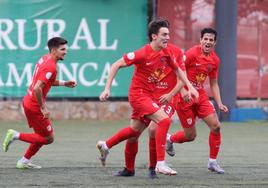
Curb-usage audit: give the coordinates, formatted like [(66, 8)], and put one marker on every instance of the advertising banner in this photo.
[(98, 33)]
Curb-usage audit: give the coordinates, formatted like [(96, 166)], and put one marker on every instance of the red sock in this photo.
[(131, 150), (152, 153), (32, 150), (178, 137), (160, 138), (33, 138), (121, 135), (214, 144)]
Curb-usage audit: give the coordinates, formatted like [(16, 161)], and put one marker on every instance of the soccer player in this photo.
[(152, 63), (167, 103), (201, 62), (34, 104)]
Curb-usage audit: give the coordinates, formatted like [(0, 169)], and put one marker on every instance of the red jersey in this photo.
[(151, 67), (198, 66), (169, 82), (45, 71)]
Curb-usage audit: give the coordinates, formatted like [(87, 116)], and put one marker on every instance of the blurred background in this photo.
[(101, 31)]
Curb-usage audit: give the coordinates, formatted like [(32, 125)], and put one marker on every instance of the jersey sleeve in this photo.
[(215, 70), (135, 57), (46, 75), (180, 61), (188, 57)]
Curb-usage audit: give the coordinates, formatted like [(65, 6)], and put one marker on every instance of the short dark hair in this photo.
[(209, 30), (55, 42), (155, 25)]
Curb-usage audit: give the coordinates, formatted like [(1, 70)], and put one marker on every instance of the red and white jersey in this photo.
[(198, 66), (151, 67), (45, 71)]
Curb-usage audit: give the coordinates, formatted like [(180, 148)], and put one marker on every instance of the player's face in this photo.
[(207, 42), (61, 51), (162, 37)]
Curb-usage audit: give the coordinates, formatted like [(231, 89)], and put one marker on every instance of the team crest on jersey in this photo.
[(48, 75), (189, 121), (163, 60), (131, 55)]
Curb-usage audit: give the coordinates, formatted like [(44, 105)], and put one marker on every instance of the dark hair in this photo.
[(55, 42), (209, 30), (155, 25)]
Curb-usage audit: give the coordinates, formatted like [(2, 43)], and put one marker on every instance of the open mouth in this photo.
[(207, 47)]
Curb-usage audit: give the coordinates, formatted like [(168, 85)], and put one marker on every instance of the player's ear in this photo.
[(154, 36), (53, 50)]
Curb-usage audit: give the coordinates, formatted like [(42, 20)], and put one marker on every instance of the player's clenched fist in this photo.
[(70, 84), (104, 95)]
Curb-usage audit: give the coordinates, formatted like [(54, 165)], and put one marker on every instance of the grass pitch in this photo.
[(71, 161)]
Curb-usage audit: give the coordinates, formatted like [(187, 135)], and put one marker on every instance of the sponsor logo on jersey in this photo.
[(200, 78), (162, 85)]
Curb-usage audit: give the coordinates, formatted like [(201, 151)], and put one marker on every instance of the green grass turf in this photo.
[(71, 161)]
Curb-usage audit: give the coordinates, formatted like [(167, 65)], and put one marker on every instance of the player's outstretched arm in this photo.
[(70, 83), (114, 69)]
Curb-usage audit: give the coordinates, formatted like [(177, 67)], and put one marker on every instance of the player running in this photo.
[(201, 62), (34, 104)]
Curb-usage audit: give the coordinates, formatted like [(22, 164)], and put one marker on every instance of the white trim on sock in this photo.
[(16, 135), (24, 160), (105, 146), (160, 162), (168, 138), (211, 160)]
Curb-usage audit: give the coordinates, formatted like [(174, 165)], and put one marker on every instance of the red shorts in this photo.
[(37, 121), (142, 105), (169, 109), (188, 112)]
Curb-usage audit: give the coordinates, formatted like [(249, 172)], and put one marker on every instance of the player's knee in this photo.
[(50, 140), (216, 127), (190, 137), (151, 131), (133, 139)]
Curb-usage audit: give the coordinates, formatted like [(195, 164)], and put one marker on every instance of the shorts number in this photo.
[(166, 109)]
